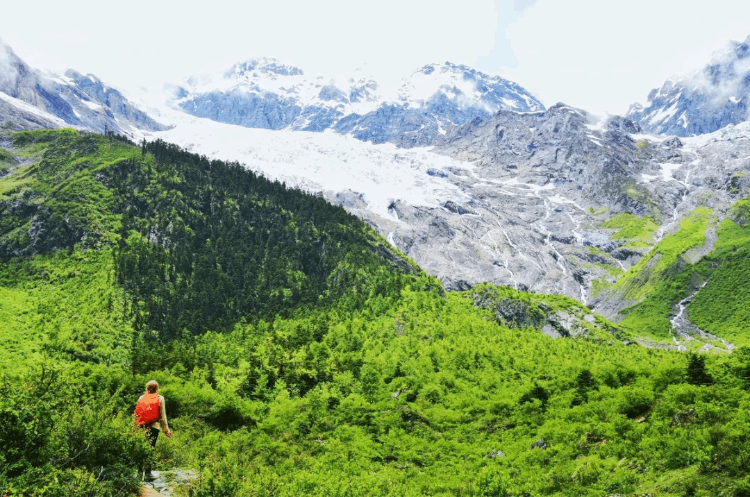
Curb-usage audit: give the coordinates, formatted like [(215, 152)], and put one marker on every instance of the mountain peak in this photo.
[(466, 87), (704, 101), (265, 65), (266, 93)]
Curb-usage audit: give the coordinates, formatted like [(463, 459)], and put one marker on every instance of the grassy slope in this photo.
[(63, 306), (634, 232), (664, 277), (721, 306), (305, 404), (650, 281), (637, 230)]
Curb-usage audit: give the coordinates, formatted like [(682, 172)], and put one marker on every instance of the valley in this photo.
[(446, 290)]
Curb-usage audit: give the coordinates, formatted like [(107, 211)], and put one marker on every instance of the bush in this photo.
[(54, 442), (742, 488), (635, 401), (492, 482)]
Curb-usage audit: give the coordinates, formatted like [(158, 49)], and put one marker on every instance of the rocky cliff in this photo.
[(74, 99), (562, 202)]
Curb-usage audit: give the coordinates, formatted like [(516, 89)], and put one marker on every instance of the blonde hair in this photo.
[(152, 386)]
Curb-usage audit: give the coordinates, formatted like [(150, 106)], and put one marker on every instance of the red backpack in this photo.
[(147, 409)]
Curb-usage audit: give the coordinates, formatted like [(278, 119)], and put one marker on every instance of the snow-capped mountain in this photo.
[(702, 102), (507, 194), (263, 93), (73, 98), (518, 199)]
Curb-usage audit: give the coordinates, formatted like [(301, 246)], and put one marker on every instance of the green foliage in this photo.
[(491, 482), (7, 160), (62, 306), (720, 280), (721, 305), (631, 227), (299, 355), (655, 282), (225, 244), (59, 439), (696, 371)]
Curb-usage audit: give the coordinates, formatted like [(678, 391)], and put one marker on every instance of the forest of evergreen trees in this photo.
[(204, 243)]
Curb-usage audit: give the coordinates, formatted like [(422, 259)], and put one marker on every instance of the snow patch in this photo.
[(650, 137), (667, 170), (23, 106), (318, 162), (92, 105), (663, 114)]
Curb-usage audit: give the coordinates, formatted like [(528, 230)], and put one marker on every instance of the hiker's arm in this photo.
[(163, 418)]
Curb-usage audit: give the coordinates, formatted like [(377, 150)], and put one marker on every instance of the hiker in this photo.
[(149, 412)]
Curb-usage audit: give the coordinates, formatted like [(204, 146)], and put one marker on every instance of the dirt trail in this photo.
[(167, 483)]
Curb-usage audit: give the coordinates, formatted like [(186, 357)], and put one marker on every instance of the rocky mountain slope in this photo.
[(17, 115), (702, 102), (537, 201), (555, 201), (263, 93), (558, 197), (75, 99)]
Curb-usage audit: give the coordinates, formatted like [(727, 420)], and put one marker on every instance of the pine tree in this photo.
[(696, 371)]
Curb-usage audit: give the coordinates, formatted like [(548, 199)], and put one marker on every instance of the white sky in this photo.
[(600, 55)]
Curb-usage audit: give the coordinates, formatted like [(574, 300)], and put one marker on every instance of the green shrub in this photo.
[(55, 440)]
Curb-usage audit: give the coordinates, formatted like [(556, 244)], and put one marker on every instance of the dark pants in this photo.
[(151, 435)]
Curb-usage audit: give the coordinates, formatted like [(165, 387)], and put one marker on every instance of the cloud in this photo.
[(170, 39), (600, 56), (603, 56)]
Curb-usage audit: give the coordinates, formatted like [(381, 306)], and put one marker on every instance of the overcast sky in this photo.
[(600, 55)]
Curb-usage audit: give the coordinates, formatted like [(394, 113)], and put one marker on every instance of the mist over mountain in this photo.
[(702, 102)]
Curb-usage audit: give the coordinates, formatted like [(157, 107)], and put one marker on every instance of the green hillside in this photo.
[(301, 355), (719, 281)]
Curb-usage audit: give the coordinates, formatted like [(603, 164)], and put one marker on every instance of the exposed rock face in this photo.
[(524, 220), (513, 311), (538, 187), (16, 115), (518, 199), (171, 483), (76, 100), (703, 102), (262, 93), (539, 444)]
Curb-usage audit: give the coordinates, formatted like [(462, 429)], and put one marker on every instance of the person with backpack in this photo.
[(150, 411)]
